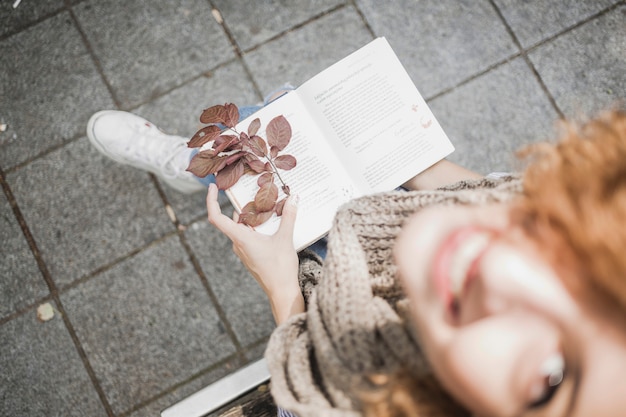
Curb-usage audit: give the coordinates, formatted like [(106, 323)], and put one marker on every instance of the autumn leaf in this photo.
[(229, 175), (204, 135), (256, 165), (265, 178), (223, 142), (205, 163), (266, 197), (254, 127), (278, 132), (230, 159), (285, 162), (252, 217), (274, 152), (214, 114), (232, 115), (278, 209), (258, 146)]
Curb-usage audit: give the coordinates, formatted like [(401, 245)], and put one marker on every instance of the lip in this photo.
[(443, 264)]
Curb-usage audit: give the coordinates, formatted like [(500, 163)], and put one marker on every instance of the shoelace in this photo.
[(167, 153)]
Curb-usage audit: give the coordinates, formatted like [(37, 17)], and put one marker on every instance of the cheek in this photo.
[(476, 364), (489, 364)]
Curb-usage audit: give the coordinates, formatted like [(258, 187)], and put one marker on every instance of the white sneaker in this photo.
[(132, 140)]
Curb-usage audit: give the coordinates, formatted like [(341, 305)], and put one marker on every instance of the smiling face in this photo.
[(503, 332)]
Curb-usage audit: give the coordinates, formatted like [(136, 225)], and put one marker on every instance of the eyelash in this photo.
[(553, 381), (545, 397)]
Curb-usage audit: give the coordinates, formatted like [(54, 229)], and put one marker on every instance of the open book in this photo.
[(359, 127)]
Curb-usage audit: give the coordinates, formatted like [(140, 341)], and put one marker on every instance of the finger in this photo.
[(288, 218), (235, 216), (216, 218)]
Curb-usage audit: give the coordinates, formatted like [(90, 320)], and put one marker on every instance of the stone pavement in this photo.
[(148, 306)]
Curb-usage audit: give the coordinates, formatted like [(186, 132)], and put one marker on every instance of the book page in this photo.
[(376, 120), (319, 178)]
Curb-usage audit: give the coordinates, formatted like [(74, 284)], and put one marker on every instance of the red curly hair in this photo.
[(574, 202)]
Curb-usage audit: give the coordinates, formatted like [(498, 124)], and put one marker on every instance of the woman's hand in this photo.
[(272, 260)]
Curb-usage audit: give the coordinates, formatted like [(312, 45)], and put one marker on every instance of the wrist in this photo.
[(286, 302)]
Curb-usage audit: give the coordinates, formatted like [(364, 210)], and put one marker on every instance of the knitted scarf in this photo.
[(356, 322)]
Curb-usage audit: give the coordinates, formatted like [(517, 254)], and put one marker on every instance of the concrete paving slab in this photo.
[(155, 324), (535, 20), (443, 42), (490, 117), (42, 374), (242, 299), (301, 54), (85, 210), (21, 283), (178, 112), (585, 69), (252, 23), (257, 351), (49, 88), (126, 35), (154, 408), (15, 18)]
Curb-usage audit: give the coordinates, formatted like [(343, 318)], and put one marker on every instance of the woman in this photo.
[(488, 297)]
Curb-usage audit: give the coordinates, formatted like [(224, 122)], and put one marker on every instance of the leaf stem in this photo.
[(268, 158)]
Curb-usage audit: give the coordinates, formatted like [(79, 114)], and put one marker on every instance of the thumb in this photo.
[(288, 218)]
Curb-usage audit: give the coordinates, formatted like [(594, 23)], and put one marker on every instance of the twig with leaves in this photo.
[(233, 154)]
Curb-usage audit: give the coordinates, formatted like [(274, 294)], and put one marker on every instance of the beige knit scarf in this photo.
[(356, 319)]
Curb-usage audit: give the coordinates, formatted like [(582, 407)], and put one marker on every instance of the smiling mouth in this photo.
[(456, 263)]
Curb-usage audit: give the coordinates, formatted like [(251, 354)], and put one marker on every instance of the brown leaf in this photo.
[(278, 132), (258, 145), (234, 157), (223, 142), (205, 163), (232, 115), (256, 165), (204, 135), (279, 207), (285, 162), (214, 114), (228, 176), (265, 178), (286, 189), (266, 197), (274, 152), (268, 167), (254, 127), (252, 217)]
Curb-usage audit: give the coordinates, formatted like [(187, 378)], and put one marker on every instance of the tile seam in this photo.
[(200, 273), (94, 57), (54, 293)]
